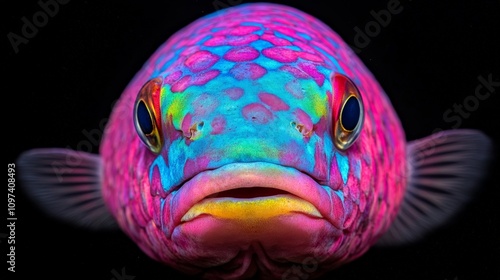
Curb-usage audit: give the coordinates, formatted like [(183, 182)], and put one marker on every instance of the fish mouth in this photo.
[(252, 193)]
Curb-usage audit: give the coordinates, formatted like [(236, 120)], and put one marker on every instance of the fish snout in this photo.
[(251, 134)]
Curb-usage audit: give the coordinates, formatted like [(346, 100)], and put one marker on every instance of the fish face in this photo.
[(254, 143), (245, 162), (242, 142), (254, 168)]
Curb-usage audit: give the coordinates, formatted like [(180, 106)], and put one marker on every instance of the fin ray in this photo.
[(445, 170), (66, 185)]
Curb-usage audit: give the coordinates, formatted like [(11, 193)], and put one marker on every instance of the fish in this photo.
[(254, 143)]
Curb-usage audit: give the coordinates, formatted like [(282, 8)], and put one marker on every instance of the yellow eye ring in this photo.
[(349, 117), (147, 119)]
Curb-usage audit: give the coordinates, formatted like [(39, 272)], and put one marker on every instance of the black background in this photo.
[(66, 78)]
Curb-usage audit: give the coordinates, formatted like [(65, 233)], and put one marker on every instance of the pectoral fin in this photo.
[(446, 169), (66, 185)]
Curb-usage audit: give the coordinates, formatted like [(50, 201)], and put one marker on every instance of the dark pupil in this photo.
[(350, 114), (144, 118)]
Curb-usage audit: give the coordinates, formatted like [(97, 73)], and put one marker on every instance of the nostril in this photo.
[(303, 123), (194, 130), (303, 129)]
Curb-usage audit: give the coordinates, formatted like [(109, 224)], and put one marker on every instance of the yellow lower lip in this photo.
[(260, 208)]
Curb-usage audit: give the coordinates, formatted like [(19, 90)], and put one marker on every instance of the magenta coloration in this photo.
[(261, 41), (232, 154)]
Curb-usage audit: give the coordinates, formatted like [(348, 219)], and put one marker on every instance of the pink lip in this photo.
[(261, 174)]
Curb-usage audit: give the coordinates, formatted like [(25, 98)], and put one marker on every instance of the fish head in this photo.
[(255, 164), (245, 150)]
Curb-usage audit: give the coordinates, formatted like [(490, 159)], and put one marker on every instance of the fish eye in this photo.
[(349, 116), (147, 118), (349, 112), (144, 118)]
